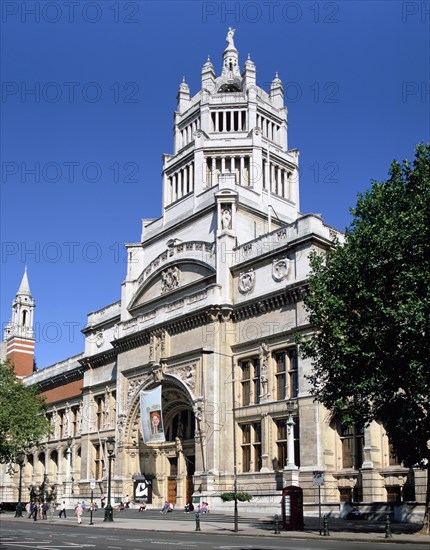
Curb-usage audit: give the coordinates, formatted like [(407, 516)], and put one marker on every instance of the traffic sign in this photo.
[(92, 484), (318, 479)]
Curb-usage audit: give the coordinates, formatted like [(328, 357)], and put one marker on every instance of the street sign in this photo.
[(318, 479), (92, 484)]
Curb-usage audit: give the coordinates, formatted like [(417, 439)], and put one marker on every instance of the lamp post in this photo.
[(68, 481), (20, 457), (110, 447), (233, 405)]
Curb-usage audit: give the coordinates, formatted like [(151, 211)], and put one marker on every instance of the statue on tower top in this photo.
[(229, 38)]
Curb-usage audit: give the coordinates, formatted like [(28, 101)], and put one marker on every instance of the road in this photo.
[(48, 536)]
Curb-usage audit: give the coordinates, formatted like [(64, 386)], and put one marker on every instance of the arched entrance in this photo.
[(170, 465)]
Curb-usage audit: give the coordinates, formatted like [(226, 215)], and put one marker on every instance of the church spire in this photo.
[(19, 333), (24, 287)]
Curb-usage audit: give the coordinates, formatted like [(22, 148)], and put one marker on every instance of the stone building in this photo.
[(209, 309)]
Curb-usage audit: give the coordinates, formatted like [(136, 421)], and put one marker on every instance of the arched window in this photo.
[(24, 317)]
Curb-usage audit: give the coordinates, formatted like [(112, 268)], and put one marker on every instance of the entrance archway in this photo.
[(170, 464)]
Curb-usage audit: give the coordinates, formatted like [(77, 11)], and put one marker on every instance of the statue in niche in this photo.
[(226, 217), (178, 443), (180, 427), (264, 368), (229, 37)]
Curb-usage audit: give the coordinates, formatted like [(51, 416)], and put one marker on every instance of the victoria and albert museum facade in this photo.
[(210, 309)]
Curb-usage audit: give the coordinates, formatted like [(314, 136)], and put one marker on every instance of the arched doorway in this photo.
[(168, 465)]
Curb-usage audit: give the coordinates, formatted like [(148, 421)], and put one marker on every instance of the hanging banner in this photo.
[(151, 416)]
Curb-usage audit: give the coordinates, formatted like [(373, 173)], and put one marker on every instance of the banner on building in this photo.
[(151, 416)]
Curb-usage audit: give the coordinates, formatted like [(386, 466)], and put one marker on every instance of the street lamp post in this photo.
[(110, 447), (20, 460), (233, 405), (68, 481)]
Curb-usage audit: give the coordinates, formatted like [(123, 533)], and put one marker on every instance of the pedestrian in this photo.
[(166, 508), (52, 510), (62, 509), (35, 510), (45, 508), (103, 501), (79, 511), (127, 501), (28, 509)]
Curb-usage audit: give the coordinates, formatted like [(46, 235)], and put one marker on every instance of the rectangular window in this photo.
[(99, 404), (281, 442), (246, 382), (281, 376), (246, 447), (293, 373), (257, 446), (250, 381), (98, 462), (251, 447), (352, 446), (256, 380)]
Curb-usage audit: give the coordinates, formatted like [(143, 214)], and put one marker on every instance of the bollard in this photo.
[(277, 531), (388, 533), (197, 522), (326, 532)]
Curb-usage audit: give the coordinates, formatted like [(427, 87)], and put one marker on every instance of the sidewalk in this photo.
[(152, 520)]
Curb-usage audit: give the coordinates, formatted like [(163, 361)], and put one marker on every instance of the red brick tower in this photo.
[(19, 333)]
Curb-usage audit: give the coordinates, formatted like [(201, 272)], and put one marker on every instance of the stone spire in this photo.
[(24, 287)]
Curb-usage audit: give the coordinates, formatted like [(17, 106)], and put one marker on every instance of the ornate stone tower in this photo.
[(232, 128), (19, 333)]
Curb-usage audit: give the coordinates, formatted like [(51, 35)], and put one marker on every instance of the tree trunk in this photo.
[(425, 530)]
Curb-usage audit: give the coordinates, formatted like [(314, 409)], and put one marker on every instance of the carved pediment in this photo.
[(165, 283)]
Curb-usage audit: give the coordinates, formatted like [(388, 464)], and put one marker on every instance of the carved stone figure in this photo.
[(226, 217), (280, 269), (246, 281), (178, 443), (170, 279), (229, 37)]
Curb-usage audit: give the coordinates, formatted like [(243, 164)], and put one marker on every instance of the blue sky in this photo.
[(81, 155)]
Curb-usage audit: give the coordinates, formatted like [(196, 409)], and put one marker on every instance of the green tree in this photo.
[(369, 306), (22, 420)]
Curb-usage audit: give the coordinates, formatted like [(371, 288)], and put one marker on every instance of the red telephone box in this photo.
[(292, 508)]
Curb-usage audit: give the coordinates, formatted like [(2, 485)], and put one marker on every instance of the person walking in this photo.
[(79, 511), (28, 509), (62, 509), (35, 510), (45, 508), (127, 501)]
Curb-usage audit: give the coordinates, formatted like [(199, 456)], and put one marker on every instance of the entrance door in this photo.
[(171, 490)]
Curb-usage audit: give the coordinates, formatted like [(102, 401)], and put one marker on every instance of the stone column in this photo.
[(265, 443), (242, 167)]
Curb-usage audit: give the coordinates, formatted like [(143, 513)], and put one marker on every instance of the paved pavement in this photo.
[(213, 523)]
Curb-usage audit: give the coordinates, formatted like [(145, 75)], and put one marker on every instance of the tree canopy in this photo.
[(369, 306), (22, 420)]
